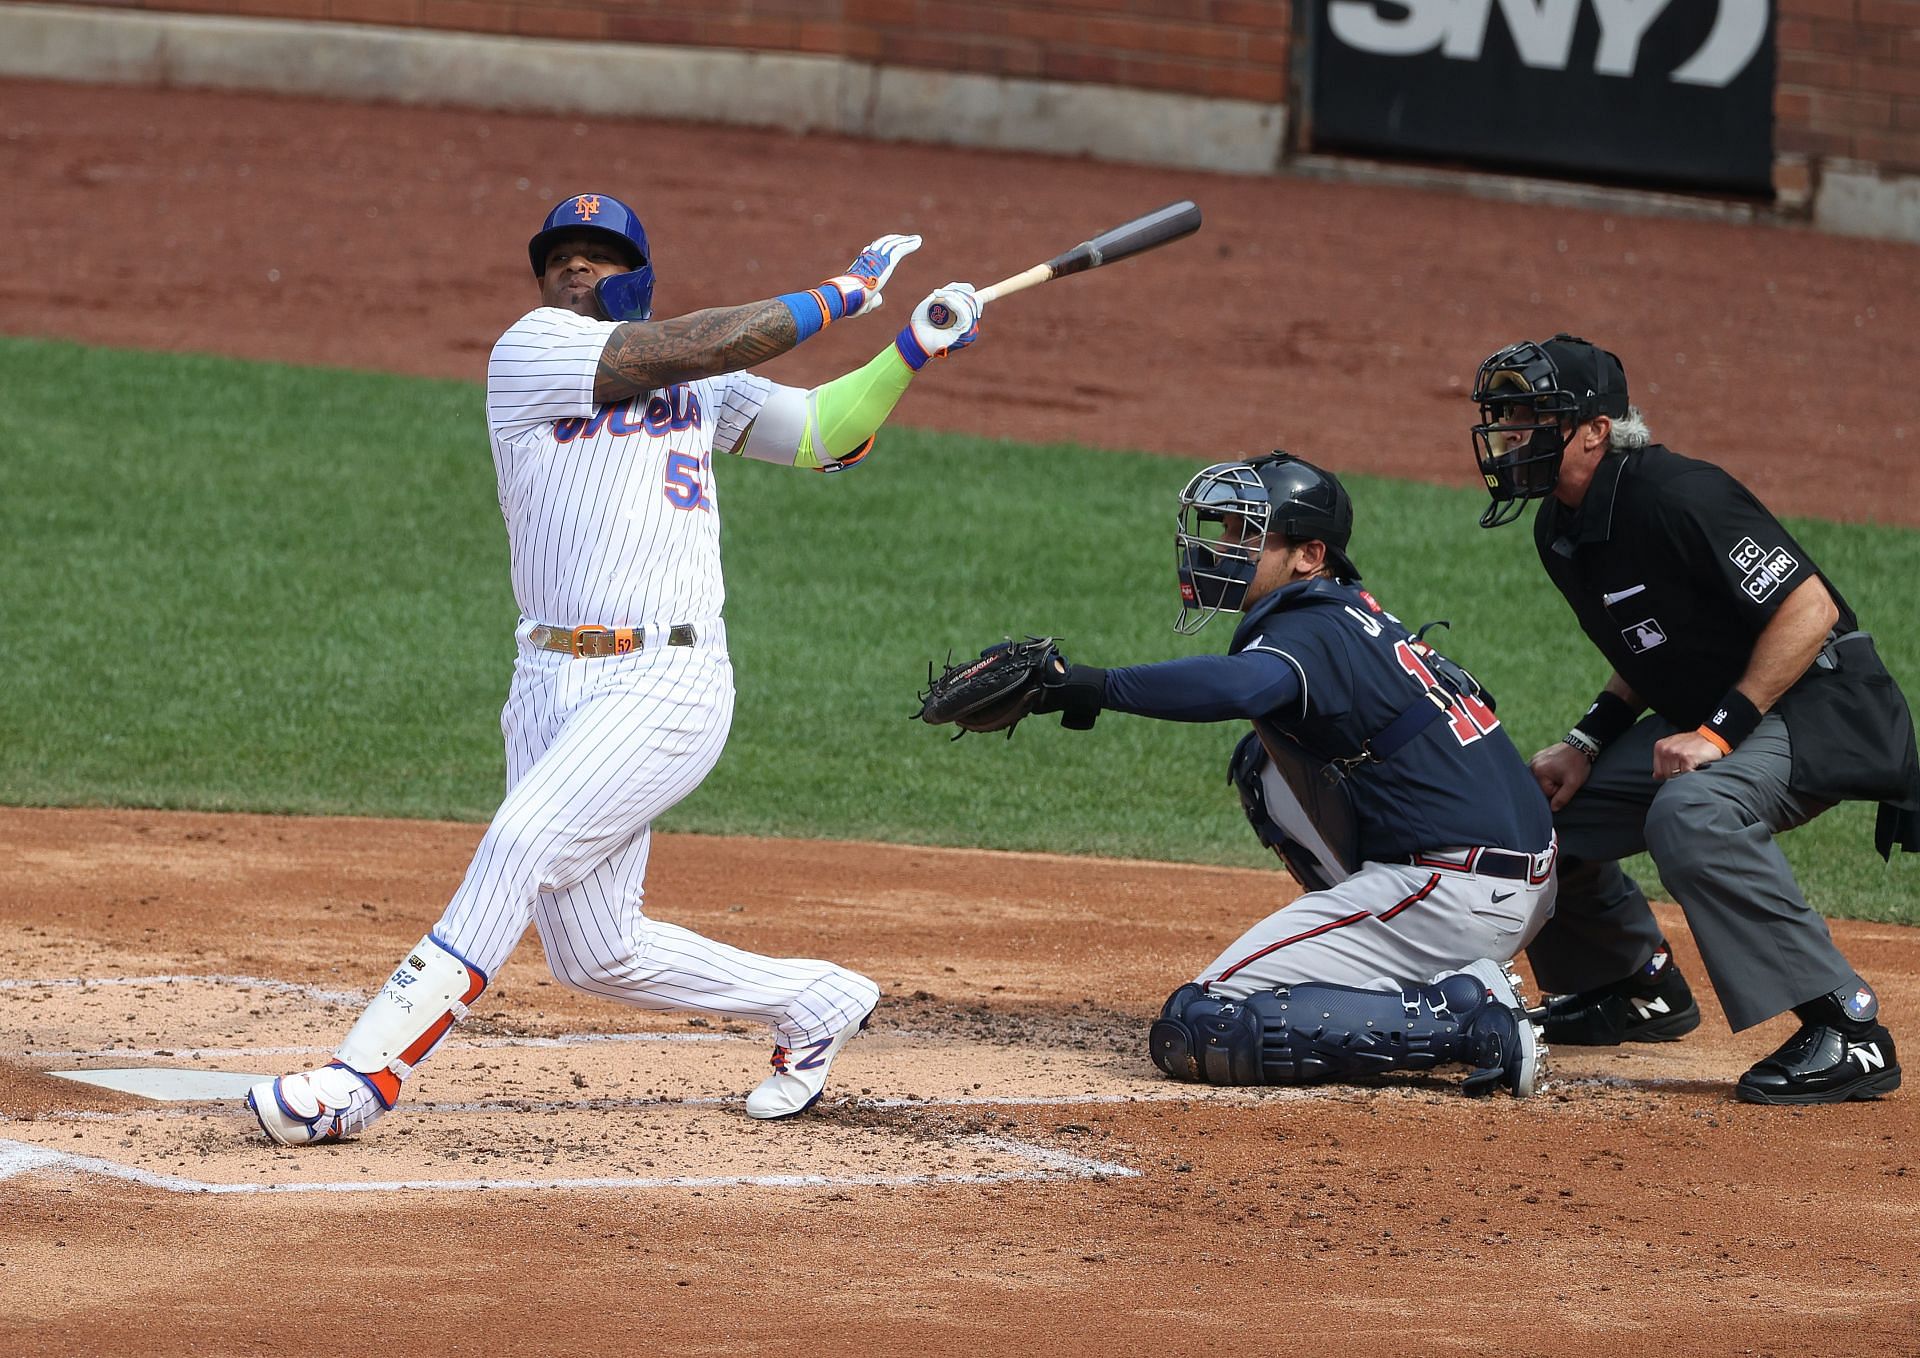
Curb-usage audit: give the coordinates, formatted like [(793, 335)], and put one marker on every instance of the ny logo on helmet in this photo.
[(587, 206)]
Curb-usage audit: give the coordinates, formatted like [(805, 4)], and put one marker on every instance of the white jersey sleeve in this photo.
[(739, 398), (543, 369)]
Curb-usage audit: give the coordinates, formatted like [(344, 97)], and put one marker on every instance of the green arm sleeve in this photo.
[(844, 414)]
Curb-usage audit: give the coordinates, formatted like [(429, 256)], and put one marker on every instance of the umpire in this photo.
[(1768, 705)]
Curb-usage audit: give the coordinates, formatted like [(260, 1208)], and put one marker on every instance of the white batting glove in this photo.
[(859, 287), (947, 319)]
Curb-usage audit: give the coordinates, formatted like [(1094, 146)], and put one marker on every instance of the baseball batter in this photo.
[(604, 425), (1376, 768)]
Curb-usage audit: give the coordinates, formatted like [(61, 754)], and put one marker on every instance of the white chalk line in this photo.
[(452, 1044), (238, 982), (18, 1158)]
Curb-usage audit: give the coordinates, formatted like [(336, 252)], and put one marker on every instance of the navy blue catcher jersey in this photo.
[(1459, 782)]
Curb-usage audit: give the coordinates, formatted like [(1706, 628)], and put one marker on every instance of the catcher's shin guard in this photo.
[(1309, 1033)]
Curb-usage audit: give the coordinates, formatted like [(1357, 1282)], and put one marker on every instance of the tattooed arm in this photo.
[(646, 355)]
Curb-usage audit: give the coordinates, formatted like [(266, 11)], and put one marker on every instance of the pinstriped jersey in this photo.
[(612, 513)]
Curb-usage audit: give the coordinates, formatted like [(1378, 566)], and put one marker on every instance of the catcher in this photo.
[(1376, 769)]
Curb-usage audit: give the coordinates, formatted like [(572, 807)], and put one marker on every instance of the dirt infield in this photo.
[(998, 1168), (997, 1158)]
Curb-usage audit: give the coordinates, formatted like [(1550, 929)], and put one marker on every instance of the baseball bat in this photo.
[(1141, 234)]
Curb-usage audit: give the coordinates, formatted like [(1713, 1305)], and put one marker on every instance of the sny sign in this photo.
[(1543, 32)]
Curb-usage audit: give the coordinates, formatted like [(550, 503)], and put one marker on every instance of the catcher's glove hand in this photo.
[(1009, 681)]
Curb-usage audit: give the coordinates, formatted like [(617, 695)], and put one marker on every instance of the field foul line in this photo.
[(192, 1053), (240, 982), (18, 1158)]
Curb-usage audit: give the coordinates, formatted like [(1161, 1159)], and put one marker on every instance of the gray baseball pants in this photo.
[(1711, 835)]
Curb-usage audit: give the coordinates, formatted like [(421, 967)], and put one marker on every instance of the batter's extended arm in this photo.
[(646, 355), (832, 426)]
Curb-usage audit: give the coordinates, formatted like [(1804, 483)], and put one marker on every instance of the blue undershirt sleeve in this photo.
[(1205, 687)]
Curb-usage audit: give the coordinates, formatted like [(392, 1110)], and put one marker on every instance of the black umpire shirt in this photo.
[(1673, 568)]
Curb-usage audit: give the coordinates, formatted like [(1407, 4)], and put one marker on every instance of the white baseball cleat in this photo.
[(328, 1104), (1519, 1044), (799, 1075)]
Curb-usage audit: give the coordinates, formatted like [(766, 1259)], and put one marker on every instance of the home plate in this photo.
[(168, 1083)]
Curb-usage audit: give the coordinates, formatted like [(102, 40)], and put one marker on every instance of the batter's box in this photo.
[(582, 1148)]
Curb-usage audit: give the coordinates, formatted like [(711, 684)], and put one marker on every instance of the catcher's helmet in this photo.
[(1531, 398), (1226, 513), (625, 296)]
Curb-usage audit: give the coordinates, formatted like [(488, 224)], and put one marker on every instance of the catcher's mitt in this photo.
[(992, 693)]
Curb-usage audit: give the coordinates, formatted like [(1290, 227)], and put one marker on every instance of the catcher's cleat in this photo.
[(1825, 1063), (800, 1075), (1655, 1004), (1502, 1040), (328, 1104)]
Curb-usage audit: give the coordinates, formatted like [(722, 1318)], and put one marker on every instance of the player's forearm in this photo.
[(847, 412), (647, 355), (830, 423), (1205, 687), (1788, 644)]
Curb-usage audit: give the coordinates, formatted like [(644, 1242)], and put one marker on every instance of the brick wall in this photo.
[(1235, 49), (1848, 87)]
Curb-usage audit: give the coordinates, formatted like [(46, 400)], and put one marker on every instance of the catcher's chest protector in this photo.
[(1308, 810)]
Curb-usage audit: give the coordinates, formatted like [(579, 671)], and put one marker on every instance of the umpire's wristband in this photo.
[(1610, 717), (1732, 722)]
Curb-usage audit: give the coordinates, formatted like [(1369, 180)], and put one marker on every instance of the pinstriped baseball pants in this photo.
[(596, 750)]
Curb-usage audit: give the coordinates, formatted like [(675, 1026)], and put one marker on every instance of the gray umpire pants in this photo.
[(1711, 835)]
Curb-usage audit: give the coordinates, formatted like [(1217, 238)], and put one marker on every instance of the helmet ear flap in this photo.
[(626, 296)]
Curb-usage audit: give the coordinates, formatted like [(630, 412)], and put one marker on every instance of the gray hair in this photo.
[(1629, 430)]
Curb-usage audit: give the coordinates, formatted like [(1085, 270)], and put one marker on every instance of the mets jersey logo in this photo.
[(587, 206), (665, 411)]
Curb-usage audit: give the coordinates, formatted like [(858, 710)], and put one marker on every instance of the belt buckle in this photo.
[(592, 641)]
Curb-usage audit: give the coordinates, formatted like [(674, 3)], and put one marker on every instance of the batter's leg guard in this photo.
[(1306, 1034), (426, 995)]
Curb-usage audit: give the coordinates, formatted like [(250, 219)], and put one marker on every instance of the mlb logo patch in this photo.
[(1860, 1004), (1644, 635)]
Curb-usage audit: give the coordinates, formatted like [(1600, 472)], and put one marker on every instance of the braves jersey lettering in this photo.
[(1460, 782)]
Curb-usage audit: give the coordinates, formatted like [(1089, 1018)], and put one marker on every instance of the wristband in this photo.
[(1582, 742), (1610, 717), (1732, 722), (908, 346), (815, 309)]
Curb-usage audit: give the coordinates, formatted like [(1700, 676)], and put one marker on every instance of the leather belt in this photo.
[(592, 641), (1532, 868)]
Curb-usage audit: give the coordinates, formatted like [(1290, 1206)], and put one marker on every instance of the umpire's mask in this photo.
[(1226, 513), (1532, 397)]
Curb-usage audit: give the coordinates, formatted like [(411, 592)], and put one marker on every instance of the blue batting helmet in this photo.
[(624, 297)]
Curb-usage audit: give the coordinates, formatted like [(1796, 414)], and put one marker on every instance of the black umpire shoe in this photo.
[(1655, 1004), (1840, 1053)]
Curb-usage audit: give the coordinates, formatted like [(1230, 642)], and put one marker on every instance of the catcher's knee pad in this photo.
[(426, 995), (1221, 1041)]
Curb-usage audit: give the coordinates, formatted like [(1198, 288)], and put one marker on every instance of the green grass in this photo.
[(241, 586)]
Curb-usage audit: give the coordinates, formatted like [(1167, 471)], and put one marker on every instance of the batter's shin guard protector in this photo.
[(426, 995)]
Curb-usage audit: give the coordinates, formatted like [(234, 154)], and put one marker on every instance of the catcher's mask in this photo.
[(1532, 397), (1227, 512), (623, 296)]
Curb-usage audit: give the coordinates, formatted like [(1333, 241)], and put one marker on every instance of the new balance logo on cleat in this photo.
[(1867, 1054), (1647, 1008)]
